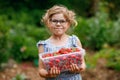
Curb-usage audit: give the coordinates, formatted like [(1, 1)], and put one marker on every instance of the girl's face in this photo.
[(58, 24)]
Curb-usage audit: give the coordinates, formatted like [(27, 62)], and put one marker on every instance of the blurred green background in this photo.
[(98, 29)]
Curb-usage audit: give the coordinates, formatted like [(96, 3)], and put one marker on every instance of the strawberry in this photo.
[(61, 50), (57, 60), (77, 58), (65, 52), (51, 59), (64, 58), (69, 50), (50, 63), (73, 56)]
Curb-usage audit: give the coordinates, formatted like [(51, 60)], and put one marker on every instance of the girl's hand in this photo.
[(75, 69), (54, 72)]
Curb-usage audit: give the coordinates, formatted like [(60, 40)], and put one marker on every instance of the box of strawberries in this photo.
[(62, 58)]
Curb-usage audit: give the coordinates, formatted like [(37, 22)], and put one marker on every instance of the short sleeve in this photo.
[(40, 43), (74, 40), (74, 43)]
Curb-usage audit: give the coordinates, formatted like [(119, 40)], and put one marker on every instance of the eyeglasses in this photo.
[(54, 21)]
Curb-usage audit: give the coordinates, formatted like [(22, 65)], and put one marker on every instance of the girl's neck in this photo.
[(59, 40)]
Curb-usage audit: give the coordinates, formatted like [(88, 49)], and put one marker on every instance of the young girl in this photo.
[(59, 19)]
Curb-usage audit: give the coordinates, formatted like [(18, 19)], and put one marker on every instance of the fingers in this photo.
[(82, 69), (54, 72), (75, 69)]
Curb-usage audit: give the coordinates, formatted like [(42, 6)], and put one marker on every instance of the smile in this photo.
[(58, 28)]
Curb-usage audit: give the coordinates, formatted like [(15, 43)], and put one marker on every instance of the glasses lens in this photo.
[(58, 21)]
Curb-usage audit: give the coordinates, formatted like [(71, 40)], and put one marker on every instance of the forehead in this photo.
[(58, 16)]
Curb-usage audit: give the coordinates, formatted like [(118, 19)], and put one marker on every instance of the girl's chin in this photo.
[(58, 34)]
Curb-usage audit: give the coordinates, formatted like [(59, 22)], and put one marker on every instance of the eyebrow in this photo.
[(58, 19)]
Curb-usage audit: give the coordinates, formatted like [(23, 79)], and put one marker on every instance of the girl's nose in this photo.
[(58, 23)]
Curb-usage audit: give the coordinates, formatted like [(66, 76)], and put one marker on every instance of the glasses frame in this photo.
[(55, 21)]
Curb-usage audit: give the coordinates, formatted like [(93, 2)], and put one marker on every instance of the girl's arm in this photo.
[(74, 68), (83, 65), (42, 71)]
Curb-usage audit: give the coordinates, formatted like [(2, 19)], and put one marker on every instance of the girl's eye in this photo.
[(58, 21)]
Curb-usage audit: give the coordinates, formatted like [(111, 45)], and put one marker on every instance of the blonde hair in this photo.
[(69, 14)]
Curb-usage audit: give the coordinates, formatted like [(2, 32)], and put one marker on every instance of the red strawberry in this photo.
[(61, 50), (77, 58), (50, 63), (69, 50), (65, 52), (73, 56), (57, 60), (51, 59), (64, 58)]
